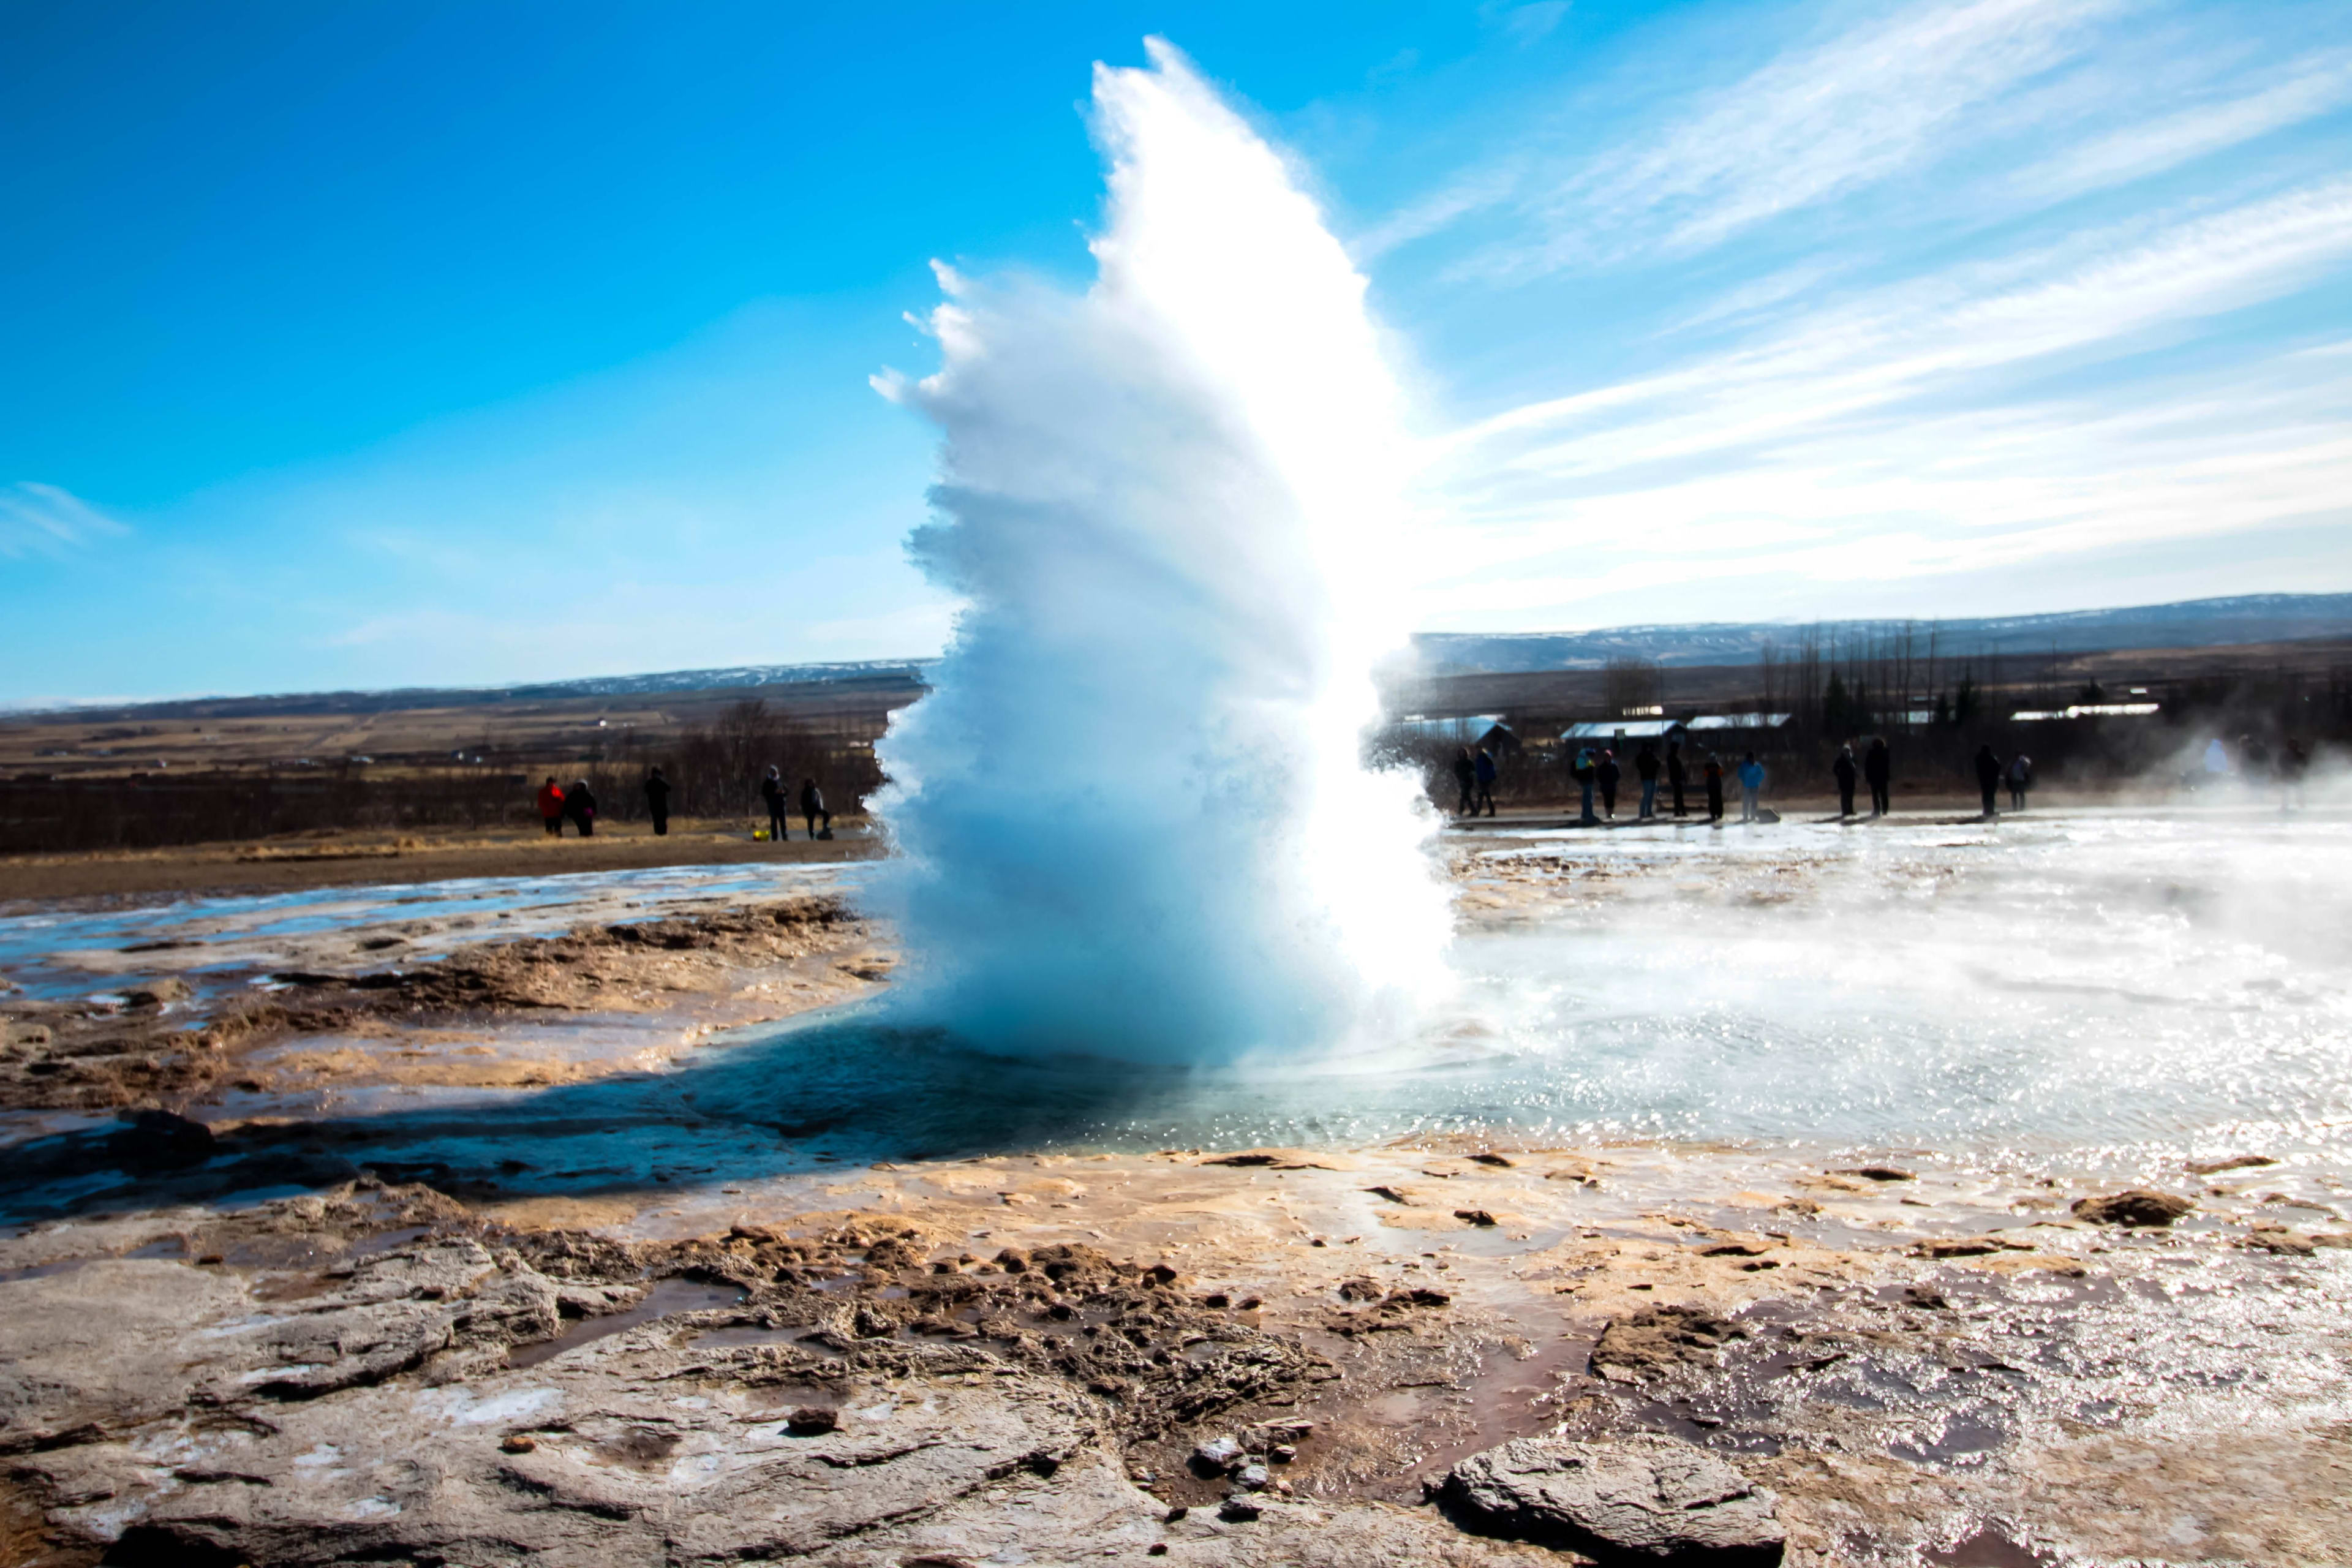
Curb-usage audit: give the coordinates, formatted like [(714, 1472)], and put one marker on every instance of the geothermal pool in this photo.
[(2084, 991)]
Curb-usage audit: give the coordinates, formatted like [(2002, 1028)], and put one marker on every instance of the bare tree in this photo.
[(1630, 684)]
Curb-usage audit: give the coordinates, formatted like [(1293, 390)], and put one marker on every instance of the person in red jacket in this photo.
[(551, 808)]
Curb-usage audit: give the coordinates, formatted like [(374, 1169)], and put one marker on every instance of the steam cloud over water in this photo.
[(1132, 815)]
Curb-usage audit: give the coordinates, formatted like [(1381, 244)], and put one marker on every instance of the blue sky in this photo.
[(371, 345)]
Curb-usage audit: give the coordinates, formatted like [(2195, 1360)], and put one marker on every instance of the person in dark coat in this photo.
[(1676, 774), (1585, 772), (1844, 770), (771, 790), (1989, 779), (1645, 768), (580, 805), (550, 807), (1609, 773), (1878, 767), (657, 802), (1487, 773), (1714, 787), (1465, 774), (813, 807)]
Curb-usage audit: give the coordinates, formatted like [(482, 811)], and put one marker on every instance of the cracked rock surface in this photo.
[(1637, 1501)]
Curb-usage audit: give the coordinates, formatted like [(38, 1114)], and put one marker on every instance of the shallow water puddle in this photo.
[(666, 1298)]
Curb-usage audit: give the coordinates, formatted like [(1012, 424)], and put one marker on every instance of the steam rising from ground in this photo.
[(1132, 814)]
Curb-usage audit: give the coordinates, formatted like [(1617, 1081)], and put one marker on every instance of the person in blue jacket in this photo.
[(1751, 785)]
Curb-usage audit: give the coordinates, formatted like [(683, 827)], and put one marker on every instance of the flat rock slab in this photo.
[(1634, 1502)]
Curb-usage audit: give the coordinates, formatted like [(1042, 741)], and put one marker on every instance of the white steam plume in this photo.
[(1131, 814)]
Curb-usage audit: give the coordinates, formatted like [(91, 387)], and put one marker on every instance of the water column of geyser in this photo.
[(1131, 815)]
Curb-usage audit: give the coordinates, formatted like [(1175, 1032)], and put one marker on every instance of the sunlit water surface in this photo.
[(2083, 990)]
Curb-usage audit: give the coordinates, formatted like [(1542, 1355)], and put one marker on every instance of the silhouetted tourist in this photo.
[(1676, 774), (1487, 773), (813, 807), (657, 802), (771, 790), (581, 807), (1751, 787), (550, 807), (1645, 768), (1607, 774), (1878, 767), (1583, 772), (1844, 770), (1714, 775), (1465, 774), (1988, 778), (2020, 775), (2257, 757), (2217, 759)]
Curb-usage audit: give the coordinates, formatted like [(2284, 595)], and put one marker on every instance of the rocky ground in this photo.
[(1249, 1357), (235, 1329), (352, 1008)]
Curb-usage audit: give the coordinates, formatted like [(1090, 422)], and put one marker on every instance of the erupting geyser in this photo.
[(1132, 815)]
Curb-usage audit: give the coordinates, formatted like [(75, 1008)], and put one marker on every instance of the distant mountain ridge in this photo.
[(2195, 622)]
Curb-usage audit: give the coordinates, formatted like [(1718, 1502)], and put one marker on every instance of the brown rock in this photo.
[(2133, 1206), (1655, 1339), (2235, 1163), (1645, 1502)]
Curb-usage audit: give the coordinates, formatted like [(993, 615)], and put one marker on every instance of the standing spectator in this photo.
[(1583, 772), (1844, 770), (550, 807), (1608, 774), (1487, 773), (1988, 778), (813, 807), (2217, 759), (1645, 768), (657, 802), (1713, 773), (1465, 775), (1878, 767), (771, 790), (2020, 773), (1751, 787), (581, 807), (1676, 774)]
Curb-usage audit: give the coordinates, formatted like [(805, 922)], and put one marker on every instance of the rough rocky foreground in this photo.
[(1255, 1357), (848, 1405)]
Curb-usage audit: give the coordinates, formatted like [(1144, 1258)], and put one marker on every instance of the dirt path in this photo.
[(356, 859)]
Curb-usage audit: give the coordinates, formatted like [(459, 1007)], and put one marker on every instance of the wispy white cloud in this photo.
[(1825, 120), (2241, 111), (1898, 432), (45, 519)]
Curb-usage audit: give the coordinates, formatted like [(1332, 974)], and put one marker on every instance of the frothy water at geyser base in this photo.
[(1131, 816), (2079, 991)]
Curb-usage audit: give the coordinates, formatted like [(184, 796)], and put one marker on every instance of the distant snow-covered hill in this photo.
[(2198, 622)]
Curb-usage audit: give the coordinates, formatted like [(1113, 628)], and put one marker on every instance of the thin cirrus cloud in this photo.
[(2063, 297), (46, 519)]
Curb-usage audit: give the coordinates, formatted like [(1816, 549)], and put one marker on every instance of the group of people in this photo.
[(1597, 772), (577, 805), (773, 790)]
